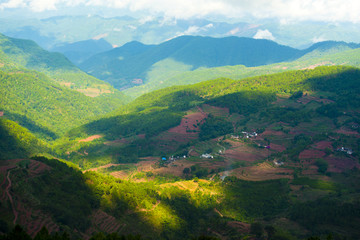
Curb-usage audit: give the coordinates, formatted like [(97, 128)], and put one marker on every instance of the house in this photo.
[(250, 135), (346, 150), (206, 155), (278, 163)]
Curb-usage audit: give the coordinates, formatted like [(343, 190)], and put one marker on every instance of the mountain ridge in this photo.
[(122, 66), (194, 51)]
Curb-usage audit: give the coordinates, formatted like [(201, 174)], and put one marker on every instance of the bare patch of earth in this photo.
[(311, 154), (337, 164), (323, 145), (261, 172), (91, 138)]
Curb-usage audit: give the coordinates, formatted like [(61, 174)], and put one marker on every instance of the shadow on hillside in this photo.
[(345, 83), (10, 147), (37, 130)]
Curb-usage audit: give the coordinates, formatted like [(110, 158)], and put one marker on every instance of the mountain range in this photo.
[(49, 32), (134, 63)]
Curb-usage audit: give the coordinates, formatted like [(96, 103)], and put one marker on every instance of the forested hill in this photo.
[(18, 142), (120, 68), (46, 108), (155, 112), (20, 54), (28, 54)]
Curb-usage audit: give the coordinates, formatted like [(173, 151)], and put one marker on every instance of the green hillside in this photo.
[(154, 113), (20, 53), (243, 192), (160, 76), (17, 141), (46, 108)]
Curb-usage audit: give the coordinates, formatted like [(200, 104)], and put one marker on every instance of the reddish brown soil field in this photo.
[(178, 137), (308, 98), (215, 165), (91, 138), (32, 220), (240, 155), (4, 168), (348, 132), (121, 141), (217, 111), (276, 147), (262, 172), (243, 152), (235, 144), (146, 166), (240, 227), (117, 142), (103, 222), (311, 154), (337, 164), (310, 170), (278, 101), (175, 168), (297, 132), (272, 132), (323, 145), (37, 168), (188, 122)]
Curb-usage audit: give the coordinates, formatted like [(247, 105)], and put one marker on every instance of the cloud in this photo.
[(285, 10), (318, 39), (193, 30), (264, 34), (40, 5), (12, 4)]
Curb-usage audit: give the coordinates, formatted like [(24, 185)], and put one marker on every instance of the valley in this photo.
[(231, 152)]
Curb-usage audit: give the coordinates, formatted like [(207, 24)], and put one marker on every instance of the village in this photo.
[(245, 135)]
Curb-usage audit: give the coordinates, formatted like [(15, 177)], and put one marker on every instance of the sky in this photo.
[(284, 10)]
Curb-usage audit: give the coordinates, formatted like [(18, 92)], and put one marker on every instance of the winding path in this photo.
[(10, 197)]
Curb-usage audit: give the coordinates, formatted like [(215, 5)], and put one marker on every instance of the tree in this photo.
[(270, 231), (18, 233), (186, 171), (257, 229), (43, 234), (322, 165)]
